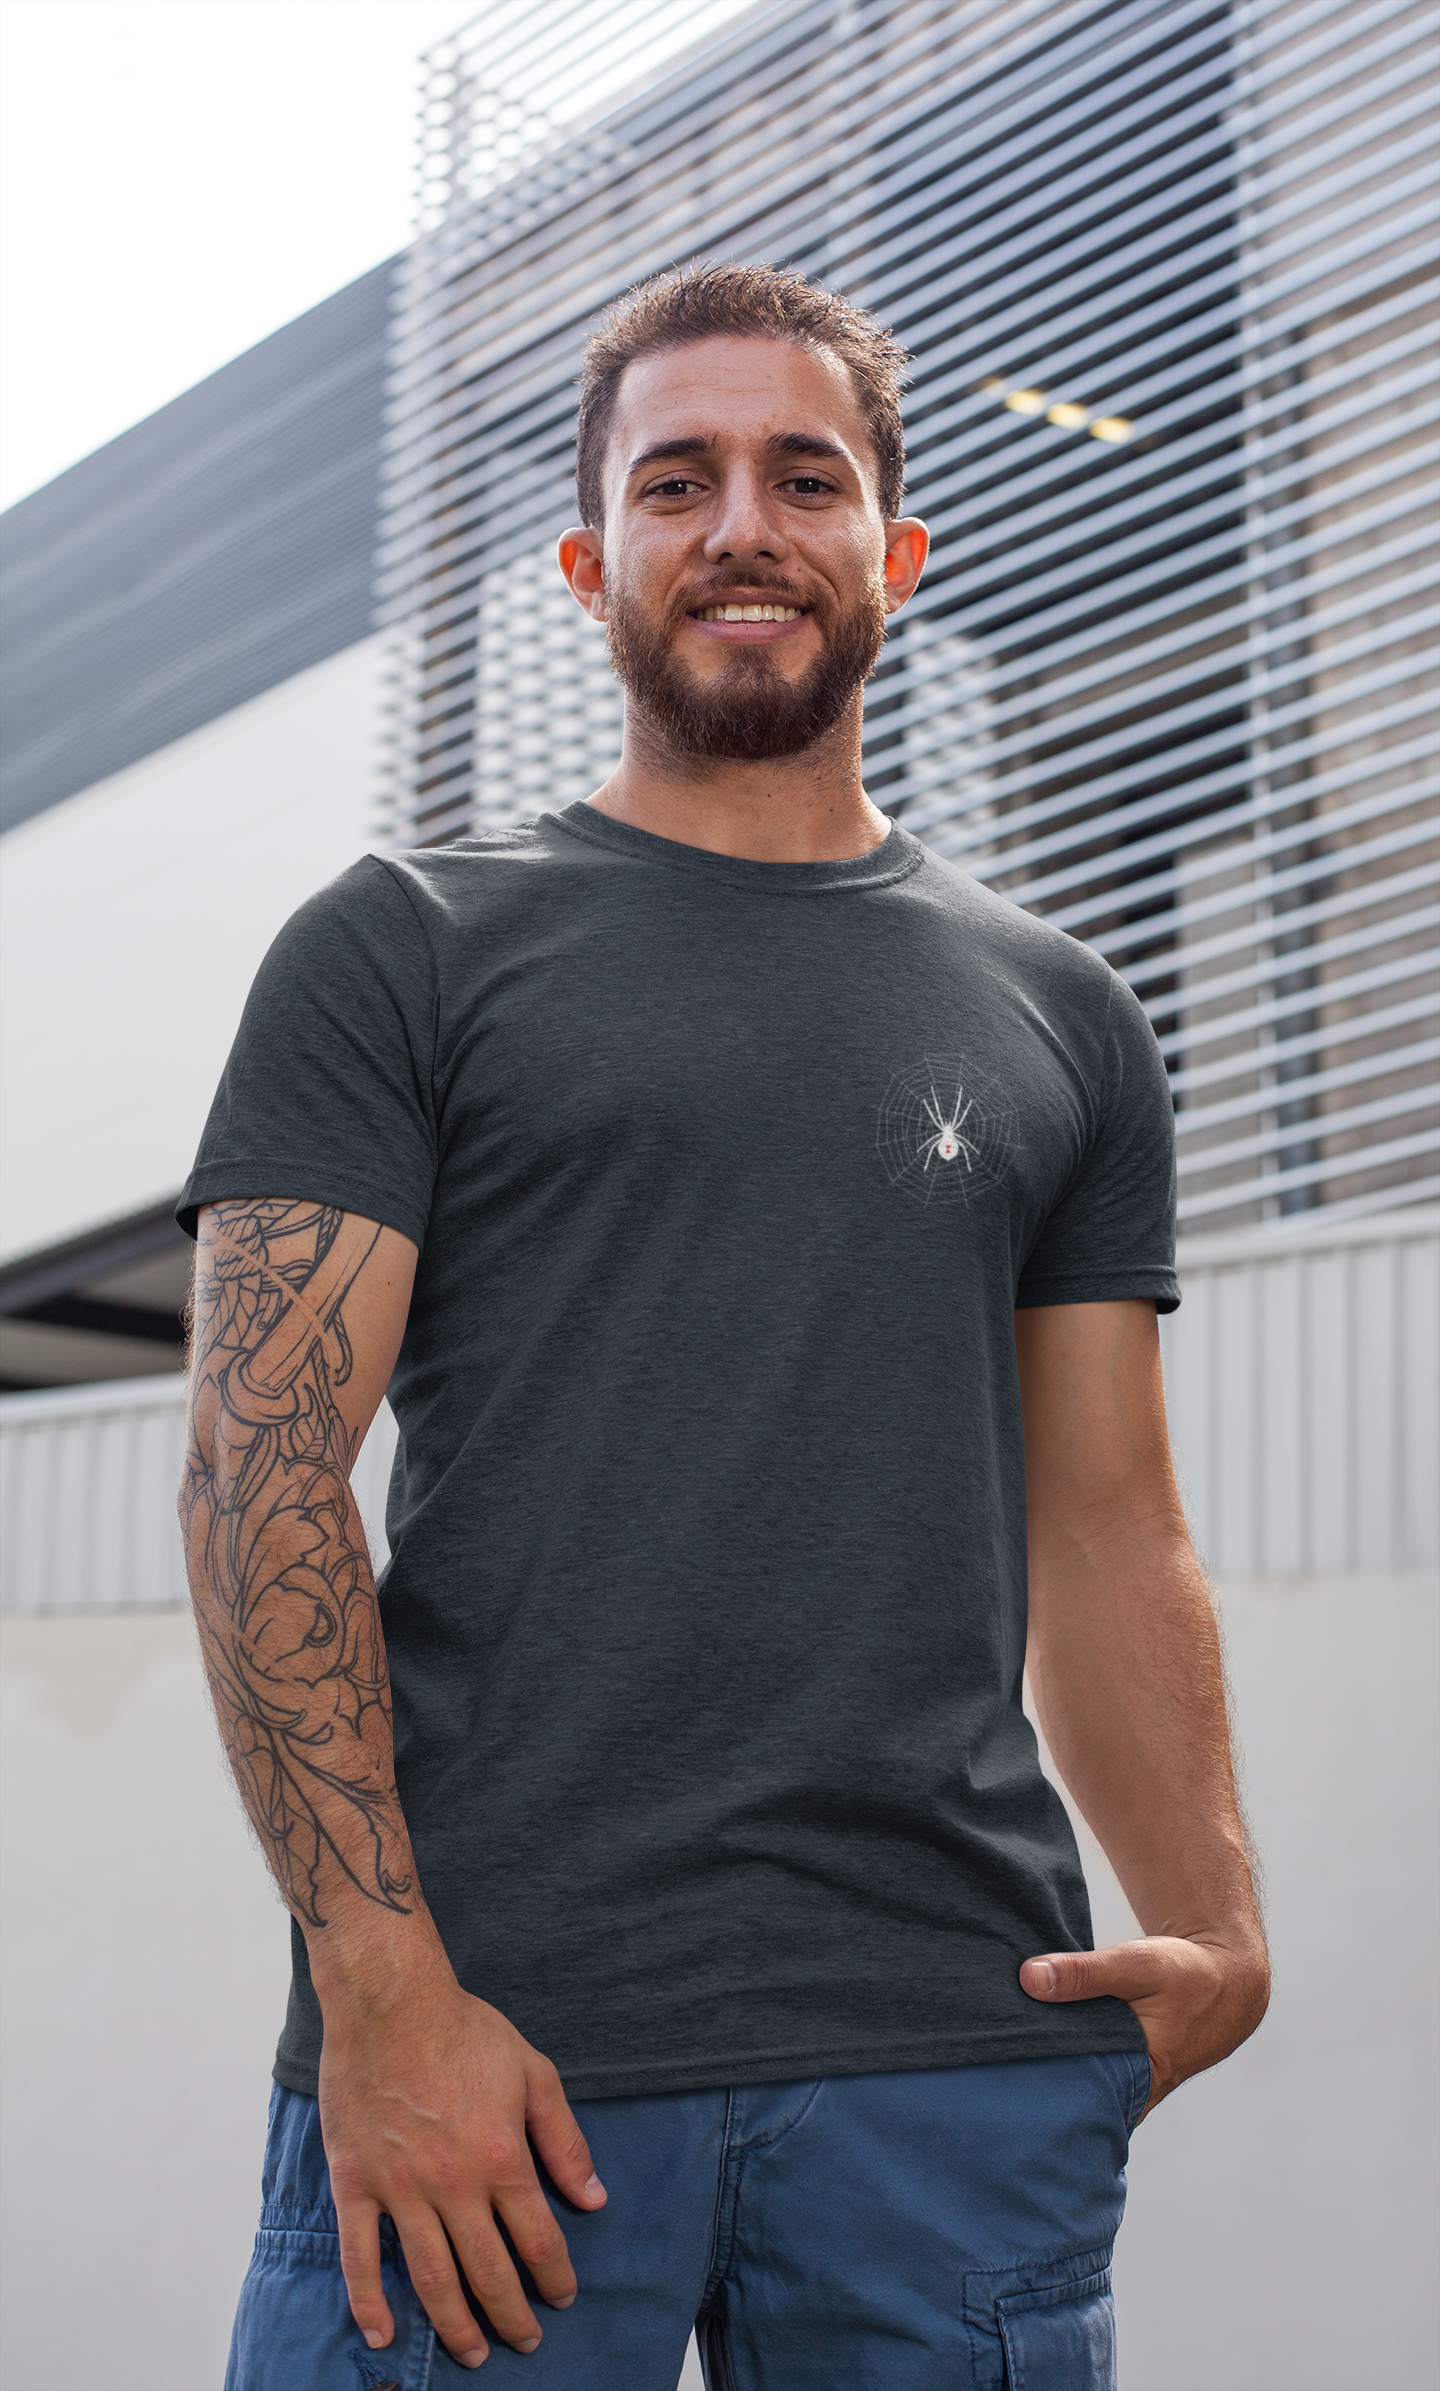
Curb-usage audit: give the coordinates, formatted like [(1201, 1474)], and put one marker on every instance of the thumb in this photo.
[(556, 2135), (1128, 1971)]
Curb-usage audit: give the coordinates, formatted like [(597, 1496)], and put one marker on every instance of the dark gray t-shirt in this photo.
[(706, 1605)]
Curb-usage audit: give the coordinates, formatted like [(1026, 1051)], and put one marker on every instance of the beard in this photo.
[(748, 712)]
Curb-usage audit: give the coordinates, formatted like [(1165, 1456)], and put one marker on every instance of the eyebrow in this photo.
[(695, 444)]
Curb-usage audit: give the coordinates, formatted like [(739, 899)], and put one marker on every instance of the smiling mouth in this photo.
[(748, 614)]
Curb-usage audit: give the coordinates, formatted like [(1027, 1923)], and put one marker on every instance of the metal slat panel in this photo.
[(1375, 1292), (1406, 1056), (1283, 1488), (29, 1575), (1169, 690), (1332, 1357), (1239, 1423), (1302, 1377), (88, 1478), (1192, 1385), (111, 1505), (214, 550), (1419, 1422)]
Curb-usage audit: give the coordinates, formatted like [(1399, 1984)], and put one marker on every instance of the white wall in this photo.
[(1283, 2209), (132, 917), (145, 1959)]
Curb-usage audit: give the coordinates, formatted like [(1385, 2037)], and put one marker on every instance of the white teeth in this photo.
[(749, 614)]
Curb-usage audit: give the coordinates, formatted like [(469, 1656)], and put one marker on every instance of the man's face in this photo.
[(741, 483)]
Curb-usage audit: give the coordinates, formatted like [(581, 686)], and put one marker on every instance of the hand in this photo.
[(425, 2100), (1197, 1997)]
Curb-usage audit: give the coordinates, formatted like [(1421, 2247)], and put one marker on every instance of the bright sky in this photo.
[(180, 177)]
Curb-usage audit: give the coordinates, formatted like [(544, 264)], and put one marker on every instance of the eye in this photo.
[(809, 485), (675, 485)]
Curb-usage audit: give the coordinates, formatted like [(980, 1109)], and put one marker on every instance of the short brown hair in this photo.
[(756, 302)]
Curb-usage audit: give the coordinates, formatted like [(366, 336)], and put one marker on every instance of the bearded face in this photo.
[(746, 709)]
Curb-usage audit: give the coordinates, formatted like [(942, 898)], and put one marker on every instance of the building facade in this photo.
[(188, 714), (1167, 271), (1168, 274)]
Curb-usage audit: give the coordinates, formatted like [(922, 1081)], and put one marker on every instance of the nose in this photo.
[(745, 527)]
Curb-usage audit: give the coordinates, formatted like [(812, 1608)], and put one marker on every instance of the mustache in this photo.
[(759, 586)]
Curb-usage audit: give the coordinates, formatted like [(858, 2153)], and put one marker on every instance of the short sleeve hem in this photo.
[(300, 1182), (1100, 1286)]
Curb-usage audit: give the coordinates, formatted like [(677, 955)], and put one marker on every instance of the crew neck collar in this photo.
[(897, 855)]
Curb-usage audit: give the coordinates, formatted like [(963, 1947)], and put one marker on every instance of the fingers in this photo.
[(564, 2151), (488, 2267), (539, 2240), (514, 2191), (1129, 1971), (437, 2287), (490, 2273), (360, 2264)]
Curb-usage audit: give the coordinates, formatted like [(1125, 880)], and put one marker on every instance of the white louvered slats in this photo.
[(1168, 272), (1302, 1374), (88, 1483)]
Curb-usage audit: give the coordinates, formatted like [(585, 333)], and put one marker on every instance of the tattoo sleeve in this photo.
[(278, 1562)]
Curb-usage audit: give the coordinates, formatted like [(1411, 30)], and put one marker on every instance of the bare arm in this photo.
[(279, 1565), (425, 2092), (1125, 1667)]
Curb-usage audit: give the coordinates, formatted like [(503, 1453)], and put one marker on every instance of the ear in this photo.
[(907, 544), (581, 563)]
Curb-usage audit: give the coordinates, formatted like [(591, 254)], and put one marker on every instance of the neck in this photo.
[(808, 808)]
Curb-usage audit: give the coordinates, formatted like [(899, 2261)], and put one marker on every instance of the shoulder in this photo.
[(411, 894), (1046, 962), (446, 883), (360, 903)]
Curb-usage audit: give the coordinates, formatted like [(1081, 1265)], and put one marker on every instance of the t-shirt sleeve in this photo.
[(1111, 1236), (328, 1093)]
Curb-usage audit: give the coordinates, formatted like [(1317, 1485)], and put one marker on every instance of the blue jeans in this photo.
[(910, 2232)]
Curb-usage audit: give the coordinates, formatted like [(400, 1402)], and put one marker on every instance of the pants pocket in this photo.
[(1144, 2077), (293, 2325), (1059, 2337)]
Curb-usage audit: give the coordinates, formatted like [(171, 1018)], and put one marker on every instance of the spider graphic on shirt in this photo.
[(947, 1132), (948, 1143)]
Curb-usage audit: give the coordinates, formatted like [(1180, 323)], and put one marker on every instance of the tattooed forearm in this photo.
[(284, 1594)]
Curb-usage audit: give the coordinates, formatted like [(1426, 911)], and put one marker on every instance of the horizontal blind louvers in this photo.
[(1172, 690)]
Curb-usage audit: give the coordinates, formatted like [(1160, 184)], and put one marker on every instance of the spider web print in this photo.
[(946, 1133)]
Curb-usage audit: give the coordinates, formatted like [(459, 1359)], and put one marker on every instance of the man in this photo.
[(746, 1213)]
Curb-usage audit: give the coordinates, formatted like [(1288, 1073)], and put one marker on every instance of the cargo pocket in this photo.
[(293, 2325), (1060, 2337)]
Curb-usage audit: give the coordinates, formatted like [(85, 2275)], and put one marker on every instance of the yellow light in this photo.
[(1069, 416), (1112, 427), (1026, 402)]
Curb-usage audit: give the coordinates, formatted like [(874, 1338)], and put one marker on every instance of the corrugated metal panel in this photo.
[(206, 555), (1302, 1373), (88, 1480), (1168, 269), (87, 1497)]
